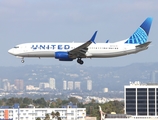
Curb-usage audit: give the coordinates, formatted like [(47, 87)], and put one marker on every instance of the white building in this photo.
[(70, 85), (31, 87), (52, 83), (64, 85), (34, 113), (141, 99), (105, 90), (6, 85), (89, 84), (78, 85), (43, 85)]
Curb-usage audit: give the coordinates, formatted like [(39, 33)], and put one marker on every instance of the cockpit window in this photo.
[(16, 47)]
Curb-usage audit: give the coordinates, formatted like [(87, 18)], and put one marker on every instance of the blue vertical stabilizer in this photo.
[(140, 36)]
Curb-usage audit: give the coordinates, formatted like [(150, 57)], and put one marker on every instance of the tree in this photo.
[(47, 117), (27, 101), (64, 102), (53, 104), (53, 114), (40, 102), (1, 102), (59, 102), (38, 118), (13, 100), (59, 118), (73, 100), (57, 114), (92, 101)]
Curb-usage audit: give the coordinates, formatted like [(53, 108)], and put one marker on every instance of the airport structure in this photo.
[(141, 99), (140, 102), (69, 112)]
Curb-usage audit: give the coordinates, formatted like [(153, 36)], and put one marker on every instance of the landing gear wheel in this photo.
[(80, 61), (22, 61)]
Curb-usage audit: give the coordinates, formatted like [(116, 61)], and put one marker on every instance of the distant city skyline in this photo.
[(103, 81), (89, 84), (77, 85), (52, 83), (70, 85), (64, 85), (19, 84), (155, 76)]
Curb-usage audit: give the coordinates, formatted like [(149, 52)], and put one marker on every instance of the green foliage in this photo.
[(38, 118), (27, 100), (112, 106), (53, 114), (80, 105), (40, 102), (53, 105), (91, 108), (24, 102), (59, 118), (65, 102), (47, 117), (57, 114), (56, 104), (13, 100), (73, 100)]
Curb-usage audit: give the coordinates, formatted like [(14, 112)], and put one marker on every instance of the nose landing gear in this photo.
[(80, 61), (22, 60)]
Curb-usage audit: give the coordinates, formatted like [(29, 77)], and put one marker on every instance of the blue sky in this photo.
[(25, 21)]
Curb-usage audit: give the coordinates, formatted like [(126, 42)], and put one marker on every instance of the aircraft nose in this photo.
[(10, 51)]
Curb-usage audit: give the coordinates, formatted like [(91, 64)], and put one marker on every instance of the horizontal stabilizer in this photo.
[(143, 45)]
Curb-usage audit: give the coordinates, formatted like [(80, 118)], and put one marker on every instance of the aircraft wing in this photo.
[(143, 45), (81, 50)]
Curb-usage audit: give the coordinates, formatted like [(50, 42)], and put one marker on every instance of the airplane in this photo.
[(69, 51)]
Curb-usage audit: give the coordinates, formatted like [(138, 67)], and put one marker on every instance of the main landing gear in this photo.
[(22, 60), (80, 61)]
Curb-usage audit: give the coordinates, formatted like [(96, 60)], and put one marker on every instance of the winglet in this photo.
[(93, 37), (107, 41)]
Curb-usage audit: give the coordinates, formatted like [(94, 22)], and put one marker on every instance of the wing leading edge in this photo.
[(81, 50)]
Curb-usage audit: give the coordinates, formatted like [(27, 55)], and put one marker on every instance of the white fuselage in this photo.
[(98, 50)]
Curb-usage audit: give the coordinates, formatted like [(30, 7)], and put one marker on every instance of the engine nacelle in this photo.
[(62, 56)]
